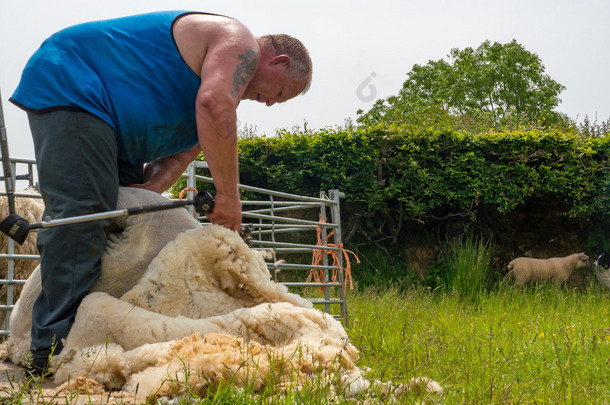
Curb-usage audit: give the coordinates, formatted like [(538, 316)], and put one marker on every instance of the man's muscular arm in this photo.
[(227, 69)]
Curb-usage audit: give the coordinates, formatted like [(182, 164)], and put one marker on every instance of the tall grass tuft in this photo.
[(467, 264)]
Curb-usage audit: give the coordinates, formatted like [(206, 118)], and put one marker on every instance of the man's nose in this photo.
[(270, 102)]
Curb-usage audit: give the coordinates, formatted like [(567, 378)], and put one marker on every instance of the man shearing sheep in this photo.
[(131, 102)]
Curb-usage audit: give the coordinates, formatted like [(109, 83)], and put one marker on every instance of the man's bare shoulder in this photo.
[(211, 26), (196, 34)]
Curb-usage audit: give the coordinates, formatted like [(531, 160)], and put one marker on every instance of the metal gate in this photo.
[(274, 217), (8, 258), (278, 225)]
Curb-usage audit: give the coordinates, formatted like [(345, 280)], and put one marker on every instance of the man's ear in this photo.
[(280, 60)]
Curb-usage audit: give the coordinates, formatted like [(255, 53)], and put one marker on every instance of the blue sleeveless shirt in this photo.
[(126, 71)]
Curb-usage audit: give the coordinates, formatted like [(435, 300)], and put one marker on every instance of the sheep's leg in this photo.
[(559, 280), (103, 363)]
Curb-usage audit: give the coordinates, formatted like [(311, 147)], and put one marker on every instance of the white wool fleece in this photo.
[(207, 271), (238, 344), (135, 240)]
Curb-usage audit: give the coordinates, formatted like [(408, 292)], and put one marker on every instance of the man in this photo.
[(132, 101)]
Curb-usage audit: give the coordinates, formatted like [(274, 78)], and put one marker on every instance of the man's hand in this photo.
[(227, 211)]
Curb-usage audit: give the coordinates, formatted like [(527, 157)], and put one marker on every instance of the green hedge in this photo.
[(394, 175), (418, 173)]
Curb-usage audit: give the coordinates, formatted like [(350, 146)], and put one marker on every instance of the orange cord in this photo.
[(185, 190), (317, 275)]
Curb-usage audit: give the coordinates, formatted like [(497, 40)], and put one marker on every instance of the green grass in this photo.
[(468, 264), (485, 344), (540, 345)]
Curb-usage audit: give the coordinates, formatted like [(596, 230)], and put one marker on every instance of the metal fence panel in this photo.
[(8, 257), (282, 223)]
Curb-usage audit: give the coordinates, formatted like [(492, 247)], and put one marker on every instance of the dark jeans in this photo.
[(78, 173)]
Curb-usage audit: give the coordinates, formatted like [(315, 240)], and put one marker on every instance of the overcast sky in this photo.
[(361, 50)]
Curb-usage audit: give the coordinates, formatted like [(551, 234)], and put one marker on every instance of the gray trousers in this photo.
[(78, 174)]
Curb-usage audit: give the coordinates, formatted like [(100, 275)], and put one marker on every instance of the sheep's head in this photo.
[(583, 261)]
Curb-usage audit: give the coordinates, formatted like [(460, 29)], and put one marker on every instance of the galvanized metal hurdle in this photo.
[(270, 226), (9, 177), (9, 257)]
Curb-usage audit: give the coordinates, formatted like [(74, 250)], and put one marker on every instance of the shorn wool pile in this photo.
[(203, 312)]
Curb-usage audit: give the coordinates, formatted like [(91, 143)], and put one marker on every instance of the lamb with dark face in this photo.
[(602, 269)]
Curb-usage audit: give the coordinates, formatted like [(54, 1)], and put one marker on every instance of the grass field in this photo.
[(540, 345), (543, 345)]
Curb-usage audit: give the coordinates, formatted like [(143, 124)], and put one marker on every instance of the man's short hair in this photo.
[(300, 66)]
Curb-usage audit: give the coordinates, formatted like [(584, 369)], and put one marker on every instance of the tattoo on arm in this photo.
[(243, 71)]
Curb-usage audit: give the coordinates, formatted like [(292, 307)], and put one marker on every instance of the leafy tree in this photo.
[(497, 84)]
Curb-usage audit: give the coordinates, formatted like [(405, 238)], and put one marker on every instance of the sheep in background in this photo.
[(556, 269), (31, 210)]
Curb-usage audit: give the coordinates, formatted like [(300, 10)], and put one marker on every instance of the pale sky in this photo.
[(361, 50)]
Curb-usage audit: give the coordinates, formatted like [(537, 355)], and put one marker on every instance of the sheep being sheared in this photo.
[(224, 288), (556, 269), (31, 210), (244, 347), (206, 310)]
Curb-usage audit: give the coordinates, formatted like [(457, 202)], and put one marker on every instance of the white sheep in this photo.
[(555, 269)]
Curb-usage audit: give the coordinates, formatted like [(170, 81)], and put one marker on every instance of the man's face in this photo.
[(271, 85)]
